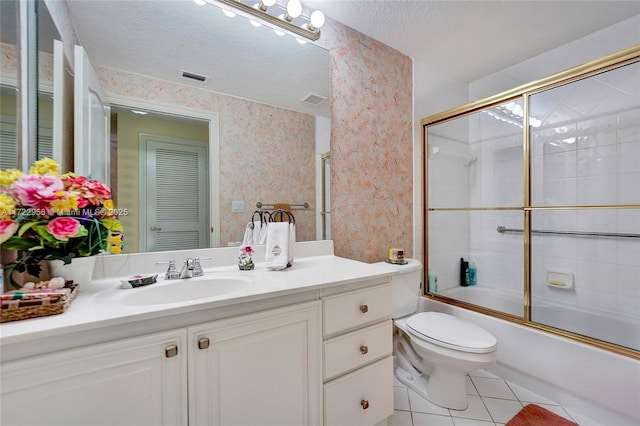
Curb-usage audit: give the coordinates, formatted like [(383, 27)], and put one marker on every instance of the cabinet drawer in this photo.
[(355, 349), (364, 397), (356, 308)]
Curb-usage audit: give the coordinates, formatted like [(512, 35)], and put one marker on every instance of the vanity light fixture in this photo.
[(292, 20)]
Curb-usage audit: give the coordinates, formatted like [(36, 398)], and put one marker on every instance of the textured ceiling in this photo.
[(456, 41), (462, 41)]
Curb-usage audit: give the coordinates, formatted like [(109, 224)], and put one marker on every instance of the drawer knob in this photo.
[(203, 343), (364, 350), (364, 309), (365, 404), (171, 351)]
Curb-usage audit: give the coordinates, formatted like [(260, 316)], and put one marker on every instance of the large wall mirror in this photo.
[(38, 75), (252, 131)]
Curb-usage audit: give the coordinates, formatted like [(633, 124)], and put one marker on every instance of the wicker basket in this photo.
[(20, 311)]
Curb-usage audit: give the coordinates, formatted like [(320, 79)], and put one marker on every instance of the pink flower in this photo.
[(246, 250), (99, 192), (63, 227), (36, 191), (87, 191), (7, 229)]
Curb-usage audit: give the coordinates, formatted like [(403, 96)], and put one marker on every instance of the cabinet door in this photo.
[(138, 381), (257, 369)]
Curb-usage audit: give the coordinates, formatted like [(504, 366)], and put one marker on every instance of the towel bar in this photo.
[(272, 206)]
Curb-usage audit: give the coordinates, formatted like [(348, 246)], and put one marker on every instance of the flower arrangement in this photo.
[(245, 262), (48, 216)]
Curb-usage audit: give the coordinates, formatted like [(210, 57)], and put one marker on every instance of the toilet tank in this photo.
[(406, 287)]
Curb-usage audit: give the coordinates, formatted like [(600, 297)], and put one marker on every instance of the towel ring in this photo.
[(253, 216), (281, 215)]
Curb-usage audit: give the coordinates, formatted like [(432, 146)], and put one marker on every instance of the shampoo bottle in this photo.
[(472, 272), (464, 272), (433, 281)]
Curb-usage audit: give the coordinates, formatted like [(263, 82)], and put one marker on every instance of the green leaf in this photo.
[(17, 243)]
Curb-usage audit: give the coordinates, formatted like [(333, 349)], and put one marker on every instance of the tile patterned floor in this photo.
[(492, 401)]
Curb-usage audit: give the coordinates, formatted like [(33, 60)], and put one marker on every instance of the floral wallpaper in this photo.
[(371, 145)]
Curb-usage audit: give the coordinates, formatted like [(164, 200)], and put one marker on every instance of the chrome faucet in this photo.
[(191, 268), (188, 268)]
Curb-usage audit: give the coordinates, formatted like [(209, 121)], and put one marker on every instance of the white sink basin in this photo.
[(185, 290)]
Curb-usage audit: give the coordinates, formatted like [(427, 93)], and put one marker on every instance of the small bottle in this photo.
[(464, 272), (472, 272), (433, 281)]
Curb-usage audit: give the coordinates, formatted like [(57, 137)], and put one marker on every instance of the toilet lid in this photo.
[(451, 332)]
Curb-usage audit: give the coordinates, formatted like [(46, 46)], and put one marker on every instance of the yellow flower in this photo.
[(7, 177), (7, 206), (112, 224), (45, 166), (69, 175), (108, 206), (115, 243), (65, 205)]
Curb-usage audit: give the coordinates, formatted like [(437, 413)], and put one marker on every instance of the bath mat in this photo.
[(534, 415)]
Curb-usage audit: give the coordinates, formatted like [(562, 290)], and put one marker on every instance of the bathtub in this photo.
[(622, 331), (597, 384)]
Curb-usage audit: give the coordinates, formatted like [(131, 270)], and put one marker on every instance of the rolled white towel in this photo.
[(257, 228), (262, 235), (247, 240), (277, 249), (292, 243)]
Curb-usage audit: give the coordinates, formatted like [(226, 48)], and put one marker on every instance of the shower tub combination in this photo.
[(598, 325)]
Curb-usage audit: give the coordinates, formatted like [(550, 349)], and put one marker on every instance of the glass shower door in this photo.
[(475, 185), (585, 214)]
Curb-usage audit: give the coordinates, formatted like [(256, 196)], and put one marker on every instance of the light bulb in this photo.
[(294, 8), (316, 19), (228, 13), (268, 3)]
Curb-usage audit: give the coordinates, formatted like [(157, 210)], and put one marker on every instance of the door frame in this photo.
[(214, 148)]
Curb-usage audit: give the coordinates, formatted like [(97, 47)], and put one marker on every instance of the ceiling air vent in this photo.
[(314, 99), (194, 76)]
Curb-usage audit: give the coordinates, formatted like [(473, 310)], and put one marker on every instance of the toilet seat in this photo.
[(451, 332)]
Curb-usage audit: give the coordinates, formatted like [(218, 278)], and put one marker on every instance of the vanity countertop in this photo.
[(100, 304)]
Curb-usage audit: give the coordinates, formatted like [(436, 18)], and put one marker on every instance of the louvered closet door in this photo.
[(174, 194), (8, 142)]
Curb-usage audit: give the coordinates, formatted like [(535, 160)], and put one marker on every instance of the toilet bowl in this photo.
[(434, 351)]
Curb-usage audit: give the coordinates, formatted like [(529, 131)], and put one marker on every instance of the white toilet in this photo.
[(434, 351)]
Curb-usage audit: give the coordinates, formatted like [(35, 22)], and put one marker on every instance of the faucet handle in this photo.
[(172, 272), (197, 268)]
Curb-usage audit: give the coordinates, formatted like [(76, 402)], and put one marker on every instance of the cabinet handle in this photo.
[(203, 343), (365, 404), (171, 351), (364, 309), (364, 350)]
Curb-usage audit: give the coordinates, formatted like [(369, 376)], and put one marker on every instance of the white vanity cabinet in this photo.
[(305, 348), (257, 369), (358, 366), (137, 381)]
